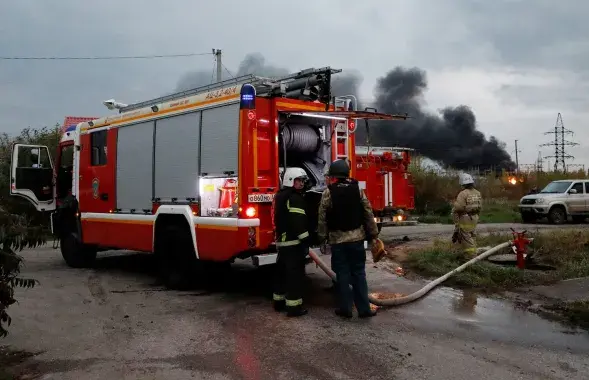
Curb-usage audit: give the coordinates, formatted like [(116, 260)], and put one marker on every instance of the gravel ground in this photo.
[(116, 322)]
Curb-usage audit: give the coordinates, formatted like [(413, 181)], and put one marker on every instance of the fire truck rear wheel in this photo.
[(178, 264), (75, 253)]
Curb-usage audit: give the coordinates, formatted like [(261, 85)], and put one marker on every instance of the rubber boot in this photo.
[(279, 305), (295, 311)]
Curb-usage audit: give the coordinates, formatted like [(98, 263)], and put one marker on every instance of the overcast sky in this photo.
[(517, 63)]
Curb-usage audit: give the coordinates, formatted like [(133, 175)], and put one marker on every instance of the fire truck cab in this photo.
[(384, 174), (190, 176)]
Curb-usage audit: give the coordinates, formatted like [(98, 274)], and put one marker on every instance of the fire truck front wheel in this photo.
[(75, 253), (175, 253)]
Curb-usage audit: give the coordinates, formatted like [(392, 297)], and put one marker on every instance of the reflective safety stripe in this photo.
[(296, 210), (470, 250), (294, 302), (303, 235), (467, 226), (277, 297), (288, 243)]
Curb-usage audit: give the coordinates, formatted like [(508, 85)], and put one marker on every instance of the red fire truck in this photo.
[(383, 173), (189, 176)]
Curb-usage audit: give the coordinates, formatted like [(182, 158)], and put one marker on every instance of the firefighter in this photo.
[(465, 214), (345, 221), (292, 237)]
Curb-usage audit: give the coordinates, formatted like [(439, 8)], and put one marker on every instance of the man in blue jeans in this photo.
[(345, 221)]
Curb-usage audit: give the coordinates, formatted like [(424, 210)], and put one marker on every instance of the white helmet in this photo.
[(465, 179), (291, 174)]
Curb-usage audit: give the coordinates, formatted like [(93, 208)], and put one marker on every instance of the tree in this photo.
[(21, 226), (15, 235)]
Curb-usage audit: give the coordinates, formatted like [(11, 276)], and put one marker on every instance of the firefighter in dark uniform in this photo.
[(292, 236), (345, 221)]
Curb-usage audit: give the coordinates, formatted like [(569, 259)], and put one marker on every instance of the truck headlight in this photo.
[(540, 201)]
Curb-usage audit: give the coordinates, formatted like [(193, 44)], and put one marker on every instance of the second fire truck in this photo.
[(384, 174), (189, 176)]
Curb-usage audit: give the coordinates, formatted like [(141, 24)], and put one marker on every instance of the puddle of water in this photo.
[(465, 312), (457, 311)]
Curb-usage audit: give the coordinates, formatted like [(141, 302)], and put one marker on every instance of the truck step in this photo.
[(264, 259)]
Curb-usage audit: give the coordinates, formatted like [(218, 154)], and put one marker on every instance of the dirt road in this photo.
[(116, 322)]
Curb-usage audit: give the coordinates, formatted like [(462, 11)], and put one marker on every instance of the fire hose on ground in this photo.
[(426, 289)]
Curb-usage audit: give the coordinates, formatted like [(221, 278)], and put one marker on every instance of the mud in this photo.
[(117, 321)]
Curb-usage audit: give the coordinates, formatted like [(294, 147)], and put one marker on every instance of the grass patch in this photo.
[(443, 257), (566, 250), (576, 313), (494, 211)]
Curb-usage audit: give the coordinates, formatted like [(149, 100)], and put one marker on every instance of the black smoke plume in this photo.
[(450, 138)]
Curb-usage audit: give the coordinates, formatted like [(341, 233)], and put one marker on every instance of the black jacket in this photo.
[(290, 218)]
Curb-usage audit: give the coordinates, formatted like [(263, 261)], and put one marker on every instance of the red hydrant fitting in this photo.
[(520, 243)]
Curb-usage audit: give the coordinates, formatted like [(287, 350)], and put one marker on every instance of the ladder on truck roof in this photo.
[(265, 86)]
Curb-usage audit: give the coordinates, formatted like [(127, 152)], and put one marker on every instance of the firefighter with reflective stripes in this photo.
[(292, 235), (465, 214)]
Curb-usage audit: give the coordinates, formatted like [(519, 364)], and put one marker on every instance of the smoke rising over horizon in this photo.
[(450, 137)]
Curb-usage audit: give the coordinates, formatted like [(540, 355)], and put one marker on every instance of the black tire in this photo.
[(557, 215), (528, 218), (75, 253), (178, 264)]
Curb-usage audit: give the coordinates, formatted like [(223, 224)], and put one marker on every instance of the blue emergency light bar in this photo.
[(247, 97)]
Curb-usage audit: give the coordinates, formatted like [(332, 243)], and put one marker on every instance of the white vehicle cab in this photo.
[(558, 201)]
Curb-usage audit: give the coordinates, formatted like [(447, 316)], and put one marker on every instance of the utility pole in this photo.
[(217, 54), (516, 159), (559, 145)]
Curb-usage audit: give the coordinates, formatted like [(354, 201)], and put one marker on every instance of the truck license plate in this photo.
[(260, 198)]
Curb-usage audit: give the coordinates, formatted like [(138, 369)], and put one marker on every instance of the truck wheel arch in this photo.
[(167, 214)]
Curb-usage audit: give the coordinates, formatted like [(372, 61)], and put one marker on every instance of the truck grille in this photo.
[(528, 201)]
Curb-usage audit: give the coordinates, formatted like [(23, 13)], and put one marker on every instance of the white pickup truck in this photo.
[(559, 201)]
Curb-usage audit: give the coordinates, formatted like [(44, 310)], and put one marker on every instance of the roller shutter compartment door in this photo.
[(219, 137), (134, 167), (176, 157)]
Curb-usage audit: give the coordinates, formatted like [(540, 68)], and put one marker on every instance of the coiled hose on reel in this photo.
[(300, 139), (421, 292)]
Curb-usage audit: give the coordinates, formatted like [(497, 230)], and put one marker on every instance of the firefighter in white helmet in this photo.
[(292, 235), (465, 214)]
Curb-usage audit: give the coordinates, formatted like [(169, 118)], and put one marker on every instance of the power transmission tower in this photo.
[(559, 145), (539, 163)]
